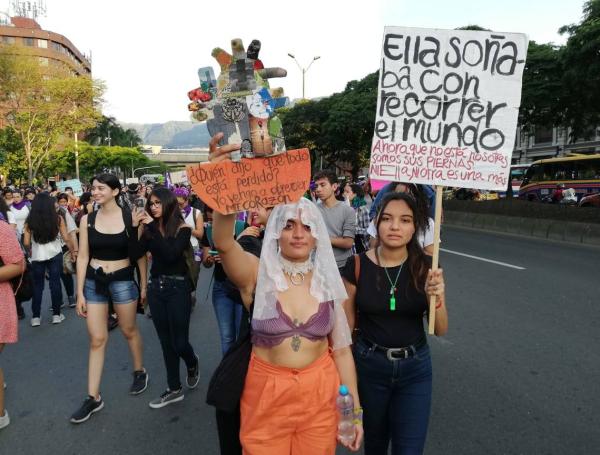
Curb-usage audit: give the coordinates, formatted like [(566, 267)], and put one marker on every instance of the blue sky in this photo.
[(148, 53)]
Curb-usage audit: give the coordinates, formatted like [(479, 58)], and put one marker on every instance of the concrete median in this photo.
[(569, 231)]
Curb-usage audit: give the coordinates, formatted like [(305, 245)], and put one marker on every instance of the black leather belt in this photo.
[(165, 278), (397, 353)]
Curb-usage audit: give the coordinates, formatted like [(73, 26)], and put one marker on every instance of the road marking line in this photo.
[(504, 264)]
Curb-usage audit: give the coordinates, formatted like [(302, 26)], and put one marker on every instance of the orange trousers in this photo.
[(290, 412)]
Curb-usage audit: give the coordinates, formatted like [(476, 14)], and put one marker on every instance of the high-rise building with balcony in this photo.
[(51, 48)]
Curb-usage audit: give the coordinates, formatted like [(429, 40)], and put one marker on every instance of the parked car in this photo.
[(591, 200)]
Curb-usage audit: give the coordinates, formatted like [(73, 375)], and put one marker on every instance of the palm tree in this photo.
[(109, 132)]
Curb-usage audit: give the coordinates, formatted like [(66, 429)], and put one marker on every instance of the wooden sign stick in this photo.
[(436, 251)]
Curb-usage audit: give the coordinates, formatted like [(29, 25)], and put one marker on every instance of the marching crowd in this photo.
[(333, 289)]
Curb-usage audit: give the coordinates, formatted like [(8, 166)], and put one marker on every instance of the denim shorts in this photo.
[(120, 292)]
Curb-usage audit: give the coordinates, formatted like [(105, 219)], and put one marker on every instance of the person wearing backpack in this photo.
[(194, 219), (167, 237), (109, 248)]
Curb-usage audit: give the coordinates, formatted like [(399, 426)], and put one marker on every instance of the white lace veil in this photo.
[(326, 284)]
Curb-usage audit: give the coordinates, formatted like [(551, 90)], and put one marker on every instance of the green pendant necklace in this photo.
[(392, 284)]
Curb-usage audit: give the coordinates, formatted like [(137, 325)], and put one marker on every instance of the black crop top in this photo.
[(106, 247), (376, 322)]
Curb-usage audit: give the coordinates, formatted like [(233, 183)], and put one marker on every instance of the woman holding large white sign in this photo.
[(390, 287)]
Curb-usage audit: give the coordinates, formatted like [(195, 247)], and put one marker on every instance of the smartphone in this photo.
[(139, 204), (213, 253)]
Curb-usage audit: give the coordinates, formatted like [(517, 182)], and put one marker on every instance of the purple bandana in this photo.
[(20, 205)]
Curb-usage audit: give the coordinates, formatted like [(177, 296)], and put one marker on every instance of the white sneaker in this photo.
[(4, 420), (58, 318), (35, 322)]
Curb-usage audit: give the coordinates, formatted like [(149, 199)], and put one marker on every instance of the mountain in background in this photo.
[(173, 134)]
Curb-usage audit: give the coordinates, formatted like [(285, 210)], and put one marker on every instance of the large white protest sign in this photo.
[(179, 177), (74, 184), (447, 107)]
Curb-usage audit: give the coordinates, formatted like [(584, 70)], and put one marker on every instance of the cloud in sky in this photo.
[(148, 53)]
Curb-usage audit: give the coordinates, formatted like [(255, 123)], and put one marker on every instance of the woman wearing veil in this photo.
[(300, 335)]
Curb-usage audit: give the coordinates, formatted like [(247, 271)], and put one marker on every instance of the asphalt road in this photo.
[(518, 373)]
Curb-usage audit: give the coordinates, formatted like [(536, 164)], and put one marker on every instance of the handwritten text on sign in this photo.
[(230, 187), (447, 107)]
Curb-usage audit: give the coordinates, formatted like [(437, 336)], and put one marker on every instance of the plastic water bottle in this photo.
[(345, 406)]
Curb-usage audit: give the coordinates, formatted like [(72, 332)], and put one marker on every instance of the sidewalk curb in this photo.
[(568, 231)]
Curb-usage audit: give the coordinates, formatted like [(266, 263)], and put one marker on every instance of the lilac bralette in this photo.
[(271, 332)]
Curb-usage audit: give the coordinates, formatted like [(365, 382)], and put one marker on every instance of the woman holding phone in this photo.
[(166, 236)]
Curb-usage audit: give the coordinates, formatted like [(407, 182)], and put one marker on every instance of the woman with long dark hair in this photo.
[(423, 221), (390, 287), (108, 249), (42, 232), (12, 265), (166, 236)]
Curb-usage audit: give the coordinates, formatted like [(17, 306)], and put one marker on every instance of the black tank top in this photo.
[(106, 247)]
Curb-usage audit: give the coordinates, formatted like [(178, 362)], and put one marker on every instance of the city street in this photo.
[(518, 372)]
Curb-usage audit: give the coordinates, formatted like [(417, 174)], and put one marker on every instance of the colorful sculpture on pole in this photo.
[(240, 102)]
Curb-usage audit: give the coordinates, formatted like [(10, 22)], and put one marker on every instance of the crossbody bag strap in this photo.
[(91, 220), (356, 278)]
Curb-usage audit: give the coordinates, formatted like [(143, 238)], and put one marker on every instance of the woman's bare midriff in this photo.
[(110, 266), (283, 355)]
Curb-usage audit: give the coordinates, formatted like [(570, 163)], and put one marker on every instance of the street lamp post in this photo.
[(304, 70)]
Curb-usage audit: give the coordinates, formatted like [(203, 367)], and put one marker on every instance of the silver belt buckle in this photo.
[(390, 353)]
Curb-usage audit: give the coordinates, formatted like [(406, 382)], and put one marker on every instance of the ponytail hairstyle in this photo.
[(417, 259)]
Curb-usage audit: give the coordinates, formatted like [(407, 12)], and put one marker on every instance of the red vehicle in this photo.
[(591, 200)]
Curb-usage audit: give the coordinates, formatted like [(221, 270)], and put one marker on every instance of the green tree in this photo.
[(581, 72), (11, 155), (108, 132), (337, 129), (542, 91), (350, 124), (44, 105), (303, 127), (94, 158)]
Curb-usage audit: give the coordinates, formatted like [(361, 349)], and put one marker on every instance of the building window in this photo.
[(44, 61), (8, 40), (56, 46), (543, 134), (43, 43), (29, 42)]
